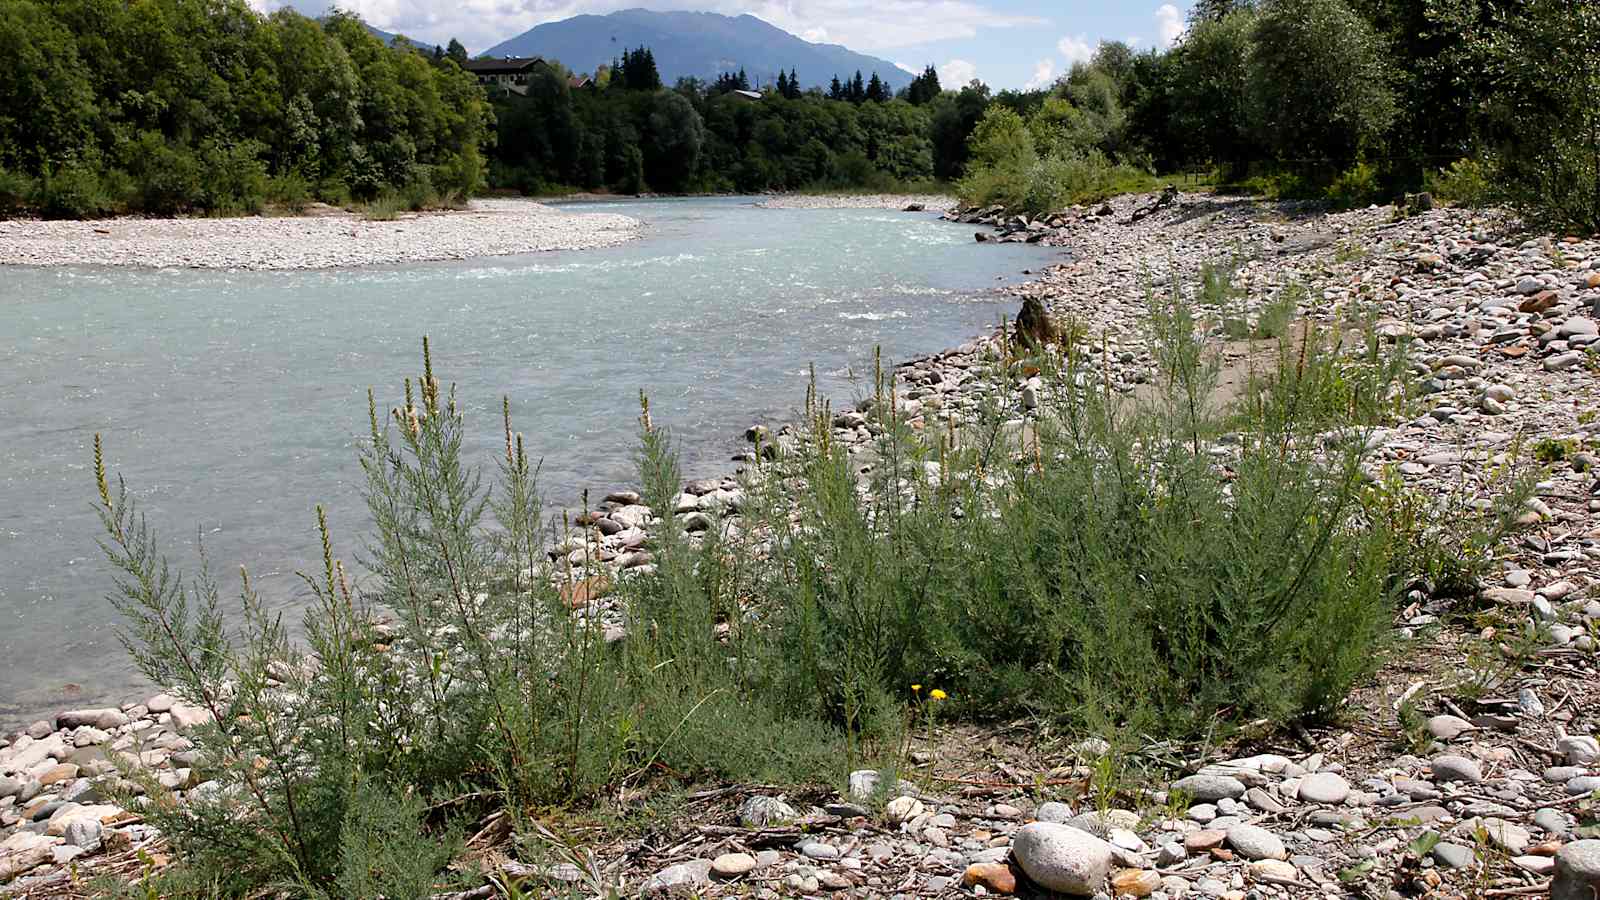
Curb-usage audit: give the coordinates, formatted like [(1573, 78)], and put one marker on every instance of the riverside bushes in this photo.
[(1167, 567)]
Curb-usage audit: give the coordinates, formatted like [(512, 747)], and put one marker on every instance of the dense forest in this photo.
[(166, 106), (178, 105)]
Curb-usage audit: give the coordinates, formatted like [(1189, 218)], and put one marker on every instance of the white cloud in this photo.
[(1075, 49), (1044, 72), (905, 68), (868, 28), (957, 72), (1169, 25)]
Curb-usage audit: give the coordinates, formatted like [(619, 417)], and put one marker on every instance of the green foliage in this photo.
[(73, 192), (1356, 186), (1548, 123), (1317, 83), (1465, 182), (202, 104), (1007, 168)]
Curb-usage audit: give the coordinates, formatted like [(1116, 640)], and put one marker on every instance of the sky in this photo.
[(1006, 43)]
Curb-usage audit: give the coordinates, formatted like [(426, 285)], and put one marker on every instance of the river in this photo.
[(232, 401)]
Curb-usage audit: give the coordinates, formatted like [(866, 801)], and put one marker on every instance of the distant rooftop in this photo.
[(499, 65)]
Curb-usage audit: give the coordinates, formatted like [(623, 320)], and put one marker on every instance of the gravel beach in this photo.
[(486, 228)]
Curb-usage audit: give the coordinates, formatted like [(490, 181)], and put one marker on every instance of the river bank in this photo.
[(1498, 328), (337, 239)]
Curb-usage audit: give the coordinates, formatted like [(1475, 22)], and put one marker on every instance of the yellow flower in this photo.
[(916, 687), (937, 694)]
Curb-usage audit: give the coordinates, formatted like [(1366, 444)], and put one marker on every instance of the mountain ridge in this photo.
[(696, 44)]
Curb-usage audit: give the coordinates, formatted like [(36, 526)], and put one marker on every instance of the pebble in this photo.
[(1324, 787), (1455, 768), (1577, 872), (1453, 856), (1448, 728), (733, 865), (1210, 788), (1255, 842), (1062, 858)]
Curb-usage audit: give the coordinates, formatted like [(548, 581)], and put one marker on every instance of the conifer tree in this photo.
[(875, 89), (836, 90), (783, 83), (794, 85)]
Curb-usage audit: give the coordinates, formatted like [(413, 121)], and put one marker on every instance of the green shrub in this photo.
[(1104, 571), (168, 179), (1356, 186), (233, 177), (290, 191), (1465, 182), (15, 191), (72, 192), (386, 207)]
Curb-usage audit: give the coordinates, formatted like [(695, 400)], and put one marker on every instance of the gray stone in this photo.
[(1051, 811), (1583, 784), (1552, 821), (1577, 874), (1581, 750), (1210, 788), (84, 832), (105, 719), (9, 786), (1261, 799), (733, 865), (1061, 858), (1508, 836), (1448, 728), (1453, 856), (1324, 787), (683, 879), (763, 812), (1455, 768), (1254, 842), (819, 850)]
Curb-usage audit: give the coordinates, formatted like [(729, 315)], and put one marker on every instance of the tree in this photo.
[(456, 52), (1317, 56), (923, 88), (672, 140), (836, 91), (783, 84), (636, 71), (794, 86), (875, 91), (1545, 63), (1209, 90), (955, 115), (47, 107), (858, 89)]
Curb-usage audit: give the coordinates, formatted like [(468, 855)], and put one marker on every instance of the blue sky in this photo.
[(1007, 43)]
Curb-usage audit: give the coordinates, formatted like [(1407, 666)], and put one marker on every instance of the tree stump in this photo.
[(1034, 327)]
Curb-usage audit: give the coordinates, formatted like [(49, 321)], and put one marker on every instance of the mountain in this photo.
[(698, 44)]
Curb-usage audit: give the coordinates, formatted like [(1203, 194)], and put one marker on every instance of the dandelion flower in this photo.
[(937, 694), (916, 687)]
